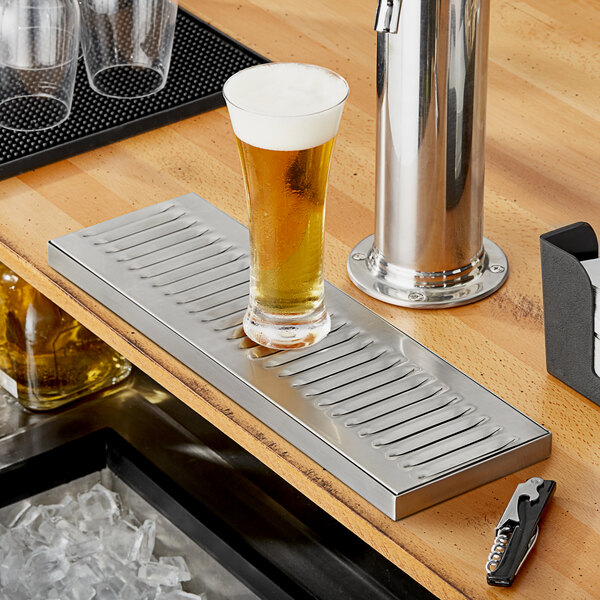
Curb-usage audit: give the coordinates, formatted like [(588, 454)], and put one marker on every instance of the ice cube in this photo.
[(146, 548), (81, 570), (29, 518), (105, 564), (90, 569), (54, 510), (165, 589), (80, 590), (26, 538), (130, 592), (45, 566), (159, 574), (98, 503), (144, 591), (18, 592), (70, 510), (50, 535), (16, 511), (67, 500), (47, 530), (10, 569), (46, 592), (69, 531), (179, 563), (78, 550), (122, 541), (117, 584), (94, 526), (5, 541), (130, 518), (105, 592)]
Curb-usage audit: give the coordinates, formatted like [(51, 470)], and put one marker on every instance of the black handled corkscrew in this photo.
[(517, 530)]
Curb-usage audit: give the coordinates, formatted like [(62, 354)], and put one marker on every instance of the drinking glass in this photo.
[(285, 117), (39, 42), (127, 45)]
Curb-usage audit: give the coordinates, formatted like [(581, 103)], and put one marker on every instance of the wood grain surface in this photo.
[(543, 171)]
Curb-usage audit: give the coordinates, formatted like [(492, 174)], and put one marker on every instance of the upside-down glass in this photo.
[(127, 45), (285, 117), (39, 45)]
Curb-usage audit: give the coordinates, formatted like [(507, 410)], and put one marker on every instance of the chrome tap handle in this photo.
[(428, 250), (387, 18)]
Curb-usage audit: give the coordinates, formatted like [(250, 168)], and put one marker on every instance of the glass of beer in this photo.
[(285, 117)]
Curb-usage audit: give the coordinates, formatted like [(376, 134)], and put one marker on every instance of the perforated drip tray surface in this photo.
[(385, 415), (202, 60)]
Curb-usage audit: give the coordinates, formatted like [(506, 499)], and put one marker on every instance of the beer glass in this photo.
[(127, 45), (285, 117), (39, 45)]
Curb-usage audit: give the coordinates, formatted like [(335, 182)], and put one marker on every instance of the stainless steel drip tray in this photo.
[(388, 417)]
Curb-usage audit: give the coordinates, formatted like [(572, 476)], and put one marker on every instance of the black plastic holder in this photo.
[(569, 302), (203, 59)]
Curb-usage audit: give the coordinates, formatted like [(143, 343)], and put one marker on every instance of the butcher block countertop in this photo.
[(542, 172)]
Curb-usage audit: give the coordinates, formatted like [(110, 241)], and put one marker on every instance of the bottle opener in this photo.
[(517, 530)]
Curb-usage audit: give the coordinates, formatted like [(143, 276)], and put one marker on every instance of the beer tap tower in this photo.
[(428, 250)]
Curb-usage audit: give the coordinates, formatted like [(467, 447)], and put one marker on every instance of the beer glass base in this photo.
[(127, 81), (288, 331), (36, 112)]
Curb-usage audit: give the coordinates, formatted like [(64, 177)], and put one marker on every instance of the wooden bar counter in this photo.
[(542, 172)]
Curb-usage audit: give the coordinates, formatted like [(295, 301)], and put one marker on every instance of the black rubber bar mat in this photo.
[(202, 60)]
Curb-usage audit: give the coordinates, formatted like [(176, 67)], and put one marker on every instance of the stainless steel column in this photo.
[(428, 250)]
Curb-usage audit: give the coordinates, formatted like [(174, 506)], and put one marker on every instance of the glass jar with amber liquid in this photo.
[(47, 358)]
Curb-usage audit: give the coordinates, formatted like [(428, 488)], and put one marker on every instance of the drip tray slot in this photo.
[(384, 414)]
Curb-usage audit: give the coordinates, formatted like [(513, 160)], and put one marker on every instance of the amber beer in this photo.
[(287, 202), (285, 117)]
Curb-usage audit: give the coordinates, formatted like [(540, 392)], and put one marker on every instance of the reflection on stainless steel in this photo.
[(14, 419), (428, 249), (365, 402)]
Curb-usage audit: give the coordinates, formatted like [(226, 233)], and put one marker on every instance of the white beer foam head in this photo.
[(285, 106)]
